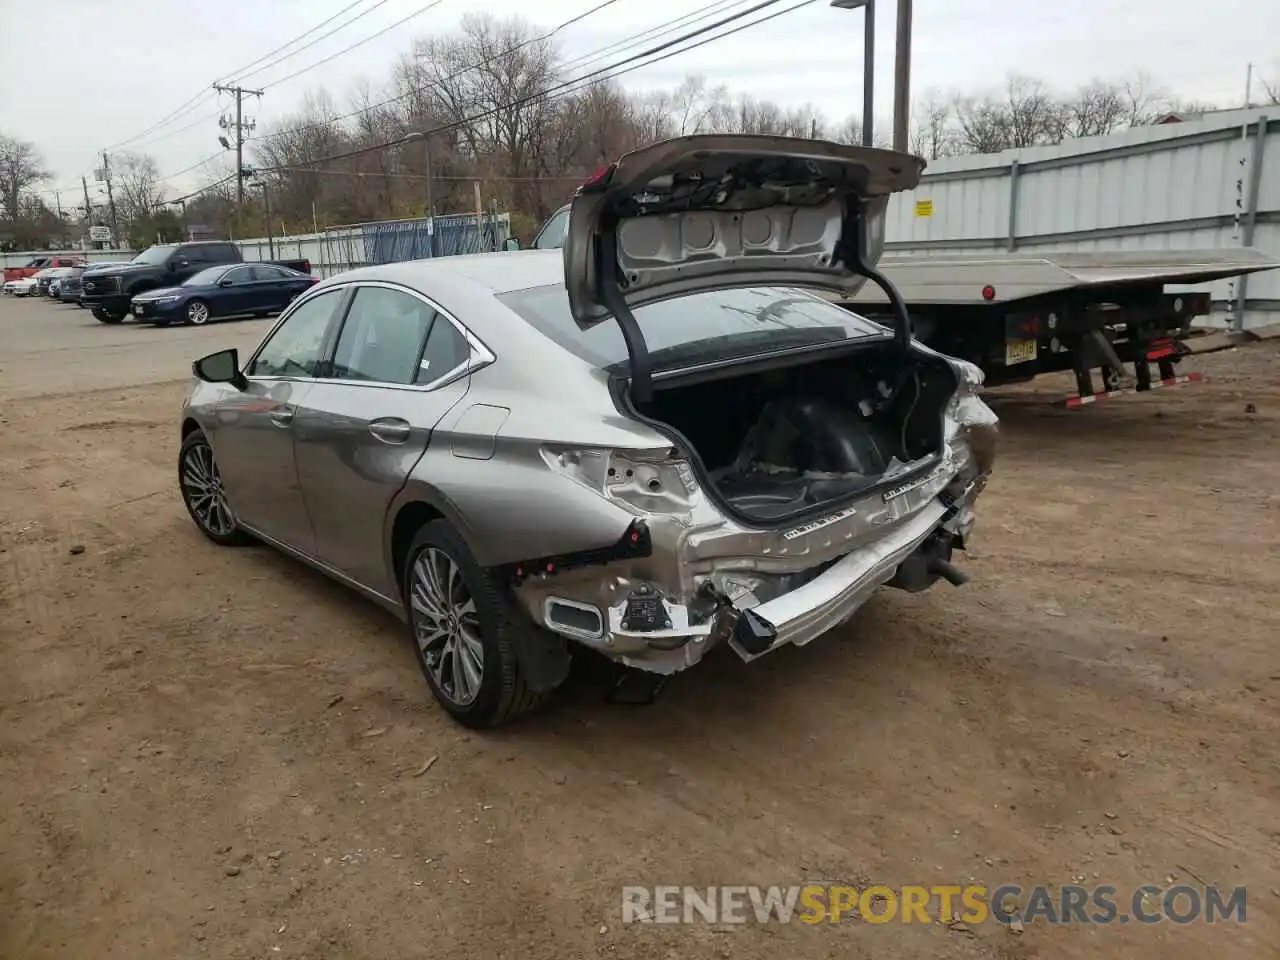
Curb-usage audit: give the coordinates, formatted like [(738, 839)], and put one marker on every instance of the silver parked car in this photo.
[(654, 442)]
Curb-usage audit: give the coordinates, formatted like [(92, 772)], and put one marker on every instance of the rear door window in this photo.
[(551, 236), (383, 336)]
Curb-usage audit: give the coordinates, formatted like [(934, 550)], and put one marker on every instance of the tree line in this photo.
[(506, 128)]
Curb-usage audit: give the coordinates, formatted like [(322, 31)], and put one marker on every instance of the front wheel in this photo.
[(102, 315), (465, 631), (197, 313), (203, 494)]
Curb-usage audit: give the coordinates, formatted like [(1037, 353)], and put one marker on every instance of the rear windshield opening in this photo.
[(700, 327)]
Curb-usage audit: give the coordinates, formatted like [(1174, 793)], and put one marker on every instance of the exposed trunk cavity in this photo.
[(777, 443)]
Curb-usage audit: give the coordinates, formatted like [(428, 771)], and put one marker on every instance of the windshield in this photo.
[(700, 327), (153, 255), (206, 277)]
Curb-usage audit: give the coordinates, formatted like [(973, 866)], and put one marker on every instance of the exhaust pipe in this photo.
[(948, 571)]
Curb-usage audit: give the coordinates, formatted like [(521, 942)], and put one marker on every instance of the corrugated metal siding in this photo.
[(1172, 187)]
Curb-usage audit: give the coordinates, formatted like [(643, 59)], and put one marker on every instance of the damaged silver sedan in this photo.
[(657, 441)]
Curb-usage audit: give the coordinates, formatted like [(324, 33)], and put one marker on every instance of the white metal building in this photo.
[(1210, 182)]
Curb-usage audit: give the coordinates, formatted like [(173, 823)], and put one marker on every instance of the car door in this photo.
[(551, 236), (253, 438), (399, 365), (236, 294), (271, 291)]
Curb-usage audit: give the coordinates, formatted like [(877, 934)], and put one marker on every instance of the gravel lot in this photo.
[(211, 753)]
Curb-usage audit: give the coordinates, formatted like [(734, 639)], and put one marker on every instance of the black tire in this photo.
[(102, 316), (503, 694), (229, 536), (197, 309)]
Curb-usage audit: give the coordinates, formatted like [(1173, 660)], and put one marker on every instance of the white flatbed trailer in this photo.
[(1018, 315)]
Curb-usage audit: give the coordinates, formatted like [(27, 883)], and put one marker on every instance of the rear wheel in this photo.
[(197, 313), (465, 630), (203, 494)]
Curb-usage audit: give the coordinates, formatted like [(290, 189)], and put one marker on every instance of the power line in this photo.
[(461, 178), (559, 91), (658, 30), (182, 129), (204, 93), (184, 170), (240, 74), (164, 121), (306, 46), (345, 50), (669, 25), (569, 87), (205, 189)]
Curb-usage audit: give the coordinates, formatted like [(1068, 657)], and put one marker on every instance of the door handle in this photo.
[(282, 416), (390, 430)]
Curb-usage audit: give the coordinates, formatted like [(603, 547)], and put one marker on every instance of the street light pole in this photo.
[(902, 76), (868, 60)]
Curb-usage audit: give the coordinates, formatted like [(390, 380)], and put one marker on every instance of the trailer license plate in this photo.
[(1019, 351)]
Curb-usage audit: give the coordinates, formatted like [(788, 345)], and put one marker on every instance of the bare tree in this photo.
[(491, 78), (935, 133), (492, 98), (697, 107), (21, 166), (1095, 109), (138, 187), (1270, 90)]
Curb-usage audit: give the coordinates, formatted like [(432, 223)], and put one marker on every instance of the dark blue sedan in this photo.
[(229, 290)]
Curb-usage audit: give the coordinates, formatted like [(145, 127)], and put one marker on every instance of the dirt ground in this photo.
[(211, 753)]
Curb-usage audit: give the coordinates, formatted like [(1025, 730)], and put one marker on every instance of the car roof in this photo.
[(490, 273)]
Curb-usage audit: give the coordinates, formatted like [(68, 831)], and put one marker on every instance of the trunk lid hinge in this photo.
[(610, 295)]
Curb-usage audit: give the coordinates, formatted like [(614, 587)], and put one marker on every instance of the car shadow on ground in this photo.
[(720, 690)]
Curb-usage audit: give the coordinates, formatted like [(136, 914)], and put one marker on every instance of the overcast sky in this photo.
[(80, 75)]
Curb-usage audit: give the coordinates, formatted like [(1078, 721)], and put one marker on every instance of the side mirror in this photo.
[(179, 263), (513, 243), (225, 282), (220, 367)]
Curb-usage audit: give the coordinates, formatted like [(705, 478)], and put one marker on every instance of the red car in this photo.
[(39, 263)]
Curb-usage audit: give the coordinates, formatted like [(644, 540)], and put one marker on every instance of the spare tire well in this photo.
[(409, 520)]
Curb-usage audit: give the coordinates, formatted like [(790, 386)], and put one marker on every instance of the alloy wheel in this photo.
[(202, 489), (197, 313), (446, 626)]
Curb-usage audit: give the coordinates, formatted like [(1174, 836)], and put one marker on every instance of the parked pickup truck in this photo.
[(109, 292), (33, 267)]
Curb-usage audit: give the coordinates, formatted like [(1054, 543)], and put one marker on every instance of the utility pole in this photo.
[(266, 202), (902, 76), (111, 199), (88, 207), (57, 202), (240, 125)]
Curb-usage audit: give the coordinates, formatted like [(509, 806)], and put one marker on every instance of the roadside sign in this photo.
[(924, 208), (100, 234)]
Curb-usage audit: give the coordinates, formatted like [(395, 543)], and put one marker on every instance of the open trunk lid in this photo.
[(712, 211)]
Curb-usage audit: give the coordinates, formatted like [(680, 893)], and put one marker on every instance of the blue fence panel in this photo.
[(399, 240)]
